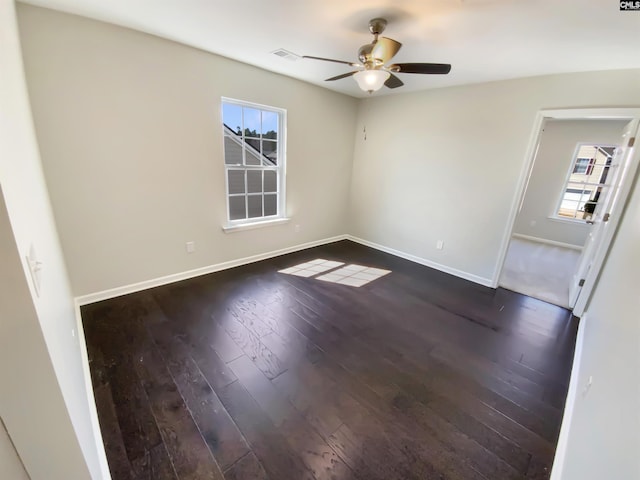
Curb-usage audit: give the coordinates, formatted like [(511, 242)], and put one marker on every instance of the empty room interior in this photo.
[(319, 240)]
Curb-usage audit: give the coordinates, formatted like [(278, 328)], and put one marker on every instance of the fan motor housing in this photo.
[(377, 25)]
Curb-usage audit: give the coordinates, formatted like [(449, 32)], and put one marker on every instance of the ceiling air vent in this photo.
[(282, 53)]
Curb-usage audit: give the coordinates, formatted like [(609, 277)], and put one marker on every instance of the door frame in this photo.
[(542, 116)]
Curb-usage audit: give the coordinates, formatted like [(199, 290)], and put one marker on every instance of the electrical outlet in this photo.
[(532, 223), (296, 228), (191, 247), (440, 244)]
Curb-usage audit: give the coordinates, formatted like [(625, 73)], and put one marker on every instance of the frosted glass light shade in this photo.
[(371, 80)]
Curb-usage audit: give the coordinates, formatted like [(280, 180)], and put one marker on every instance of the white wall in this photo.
[(604, 434), (32, 405), (43, 396), (444, 164), (131, 140), (10, 464), (555, 154)]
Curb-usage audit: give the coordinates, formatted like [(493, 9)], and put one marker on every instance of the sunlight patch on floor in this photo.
[(309, 269), (352, 275)]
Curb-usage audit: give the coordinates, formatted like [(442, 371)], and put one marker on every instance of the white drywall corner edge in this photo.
[(487, 282), (93, 410), (176, 277), (563, 440)]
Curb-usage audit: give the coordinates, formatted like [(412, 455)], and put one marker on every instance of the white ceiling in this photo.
[(484, 40)]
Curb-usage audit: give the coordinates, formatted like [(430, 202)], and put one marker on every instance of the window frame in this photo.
[(279, 168), (570, 172)]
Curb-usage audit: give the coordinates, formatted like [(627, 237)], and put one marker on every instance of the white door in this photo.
[(605, 219)]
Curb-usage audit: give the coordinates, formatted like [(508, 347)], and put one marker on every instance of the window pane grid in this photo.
[(253, 167), (586, 181), (252, 159), (240, 194)]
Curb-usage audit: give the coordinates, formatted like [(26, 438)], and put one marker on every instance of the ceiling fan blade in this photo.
[(338, 77), (427, 68), (384, 49), (332, 60), (393, 82)]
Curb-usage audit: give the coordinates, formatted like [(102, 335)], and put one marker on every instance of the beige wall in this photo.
[(10, 464), (32, 405), (131, 141), (555, 155), (43, 395), (604, 434), (444, 164)]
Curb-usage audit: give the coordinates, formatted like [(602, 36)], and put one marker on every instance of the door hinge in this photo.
[(606, 216), (632, 140), (581, 282)]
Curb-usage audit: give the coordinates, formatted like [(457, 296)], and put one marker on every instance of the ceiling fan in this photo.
[(373, 72)]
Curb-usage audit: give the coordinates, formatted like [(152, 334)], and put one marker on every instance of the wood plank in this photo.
[(261, 390), (319, 457), (189, 454), (223, 438), (267, 443), (154, 465), (247, 468), (111, 435), (251, 345), (443, 376), (137, 423), (212, 366)]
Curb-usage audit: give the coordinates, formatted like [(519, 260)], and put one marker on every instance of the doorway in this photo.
[(572, 191), (569, 171)]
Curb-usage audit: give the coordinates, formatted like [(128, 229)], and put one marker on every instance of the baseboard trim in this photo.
[(423, 261), (572, 395), (548, 242), (176, 277), (105, 474)]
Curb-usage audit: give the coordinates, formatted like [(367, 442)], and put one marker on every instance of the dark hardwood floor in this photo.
[(254, 374)]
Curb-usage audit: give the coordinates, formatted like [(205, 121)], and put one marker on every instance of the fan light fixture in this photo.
[(373, 69), (371, 80)]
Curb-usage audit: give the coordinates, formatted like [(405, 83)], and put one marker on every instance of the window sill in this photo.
[(230, 228), (572, 221)]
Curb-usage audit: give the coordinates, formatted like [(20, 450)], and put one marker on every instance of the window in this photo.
[(254, 161), (583, 166), (586, 182)]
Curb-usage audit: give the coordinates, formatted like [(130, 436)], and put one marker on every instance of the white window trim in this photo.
[(554, 215), (269, 222), (573, 221), (258, 222)]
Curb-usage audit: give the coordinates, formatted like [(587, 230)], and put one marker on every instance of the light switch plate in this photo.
[(35, 267)]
